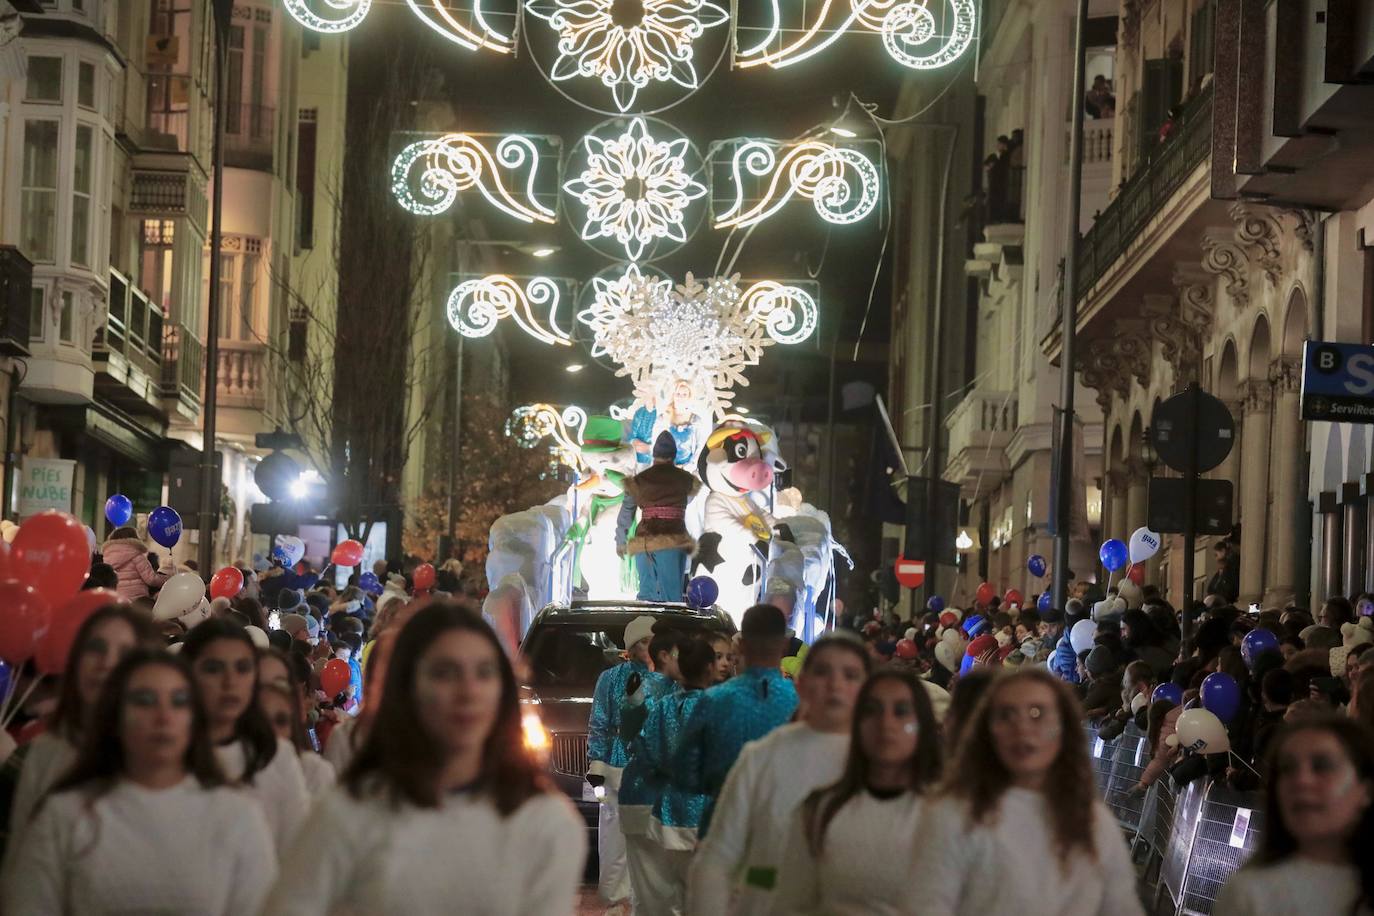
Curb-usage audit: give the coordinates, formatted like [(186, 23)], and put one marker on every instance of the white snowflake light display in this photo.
[(628, 44), (428, 175), (907, 27), (841, 183), (707, 333), (635, 188), (475, 306)]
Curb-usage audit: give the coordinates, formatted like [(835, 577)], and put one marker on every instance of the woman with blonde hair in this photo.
[(1019, 827)]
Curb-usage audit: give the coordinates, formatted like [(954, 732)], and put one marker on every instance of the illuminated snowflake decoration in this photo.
[(707, 333), (636, 189), (911, 31), (594, 42)]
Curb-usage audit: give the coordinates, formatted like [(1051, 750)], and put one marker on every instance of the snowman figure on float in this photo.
[(737, 528)]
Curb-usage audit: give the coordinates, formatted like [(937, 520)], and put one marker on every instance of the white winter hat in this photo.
[(642, 627)]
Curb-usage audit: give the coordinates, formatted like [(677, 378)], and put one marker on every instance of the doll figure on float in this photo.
[(683, 418), (598, 569)]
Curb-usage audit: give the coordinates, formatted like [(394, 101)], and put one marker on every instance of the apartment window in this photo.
[(36, 320), (44, 83), (38, 196), (305, 180), (85, 85), (64, 319), (82, 182), (247, 290), (227, 305), (233, 83), (155, 275)]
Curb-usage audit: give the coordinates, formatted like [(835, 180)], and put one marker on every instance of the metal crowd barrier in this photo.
[(1187, 840)]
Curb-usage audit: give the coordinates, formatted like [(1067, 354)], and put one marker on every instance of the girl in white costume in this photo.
[(224, 662), (143, 823), (442, 809)]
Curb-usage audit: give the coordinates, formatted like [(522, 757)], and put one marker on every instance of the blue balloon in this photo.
[(974, 625), (1168, 691), (1043, 602), (164, 526), (369, 583), (702, 592), (966, 664), (1113, 554), (1255, 644), (1036, 565), (935, 603), (119, 509), (1221, 695)]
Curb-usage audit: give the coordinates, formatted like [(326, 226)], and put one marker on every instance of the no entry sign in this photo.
[(910, 573)]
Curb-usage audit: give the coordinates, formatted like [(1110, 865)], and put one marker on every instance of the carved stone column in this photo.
[(1137, 498), (1256, 399), (1280, 587), (1116, 482)]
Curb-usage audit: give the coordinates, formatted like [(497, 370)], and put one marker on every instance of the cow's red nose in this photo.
[(750, 474)]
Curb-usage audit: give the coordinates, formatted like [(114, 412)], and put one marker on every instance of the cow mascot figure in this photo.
[(737, 528)]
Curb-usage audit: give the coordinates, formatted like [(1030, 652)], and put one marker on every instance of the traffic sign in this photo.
[(910, 573), (1338, 382), (1175, 426)]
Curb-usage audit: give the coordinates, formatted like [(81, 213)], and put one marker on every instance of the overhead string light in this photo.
[(455, 163), (907, 28), (842, 184)]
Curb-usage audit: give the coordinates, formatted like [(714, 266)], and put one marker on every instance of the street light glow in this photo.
[(841, 131), (574, 367), (543, 252)]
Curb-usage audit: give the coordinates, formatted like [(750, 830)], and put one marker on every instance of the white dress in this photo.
[(748, 831), (368, 856), (184, 850), (319, 773), (1008, 864), (279, 787), (1295, 887), (862, 869)]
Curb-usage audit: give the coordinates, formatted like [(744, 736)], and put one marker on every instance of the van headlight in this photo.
[(536, 737)]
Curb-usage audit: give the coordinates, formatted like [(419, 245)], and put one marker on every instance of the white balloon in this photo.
[(1137, 702), (259, 637), (293, 547), (90, 538), (1144, 544), (178, 595), (1199, 730), (1081, 636)]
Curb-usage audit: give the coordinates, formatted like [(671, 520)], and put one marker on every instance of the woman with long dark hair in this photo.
[(1019, 827), (281, 697), (143, 822), (100, 643), (224, 662), (1318, 828), (849, 835), (442, 807)]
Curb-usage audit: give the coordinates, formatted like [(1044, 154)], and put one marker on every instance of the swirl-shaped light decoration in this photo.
[(478, 35), (342, 14), (906, 26), (841, 183), (788, 312), (533, 423), (476, 306), (453, 163)]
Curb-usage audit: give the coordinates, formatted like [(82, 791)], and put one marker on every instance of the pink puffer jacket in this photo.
[(129, 557)]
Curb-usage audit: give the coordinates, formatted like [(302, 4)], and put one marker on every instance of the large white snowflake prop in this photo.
[(707, 333), (635, 188), (628, 44)]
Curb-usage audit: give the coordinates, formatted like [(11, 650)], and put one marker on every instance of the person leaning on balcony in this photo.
[(127, 553)]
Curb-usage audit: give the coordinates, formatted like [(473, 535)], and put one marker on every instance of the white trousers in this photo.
[(614, 883), (659, 877)]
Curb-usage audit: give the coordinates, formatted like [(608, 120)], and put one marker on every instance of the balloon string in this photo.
[(14, 708), (10, 684)]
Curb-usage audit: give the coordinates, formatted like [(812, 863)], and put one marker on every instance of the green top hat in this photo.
[(602, 434)]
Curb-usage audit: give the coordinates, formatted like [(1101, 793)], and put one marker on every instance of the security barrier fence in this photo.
[(1186, 840)]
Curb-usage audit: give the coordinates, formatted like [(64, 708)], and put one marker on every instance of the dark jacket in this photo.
[(661, 494)]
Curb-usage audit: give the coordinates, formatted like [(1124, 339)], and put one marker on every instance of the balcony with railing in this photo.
[(248, 136), (183, 371), (127, 350), (980, 429), (244, 395)]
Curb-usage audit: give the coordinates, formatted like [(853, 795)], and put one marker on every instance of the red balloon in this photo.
[(906, 649), (226, 583), (423, 577), (56, 644), (1136, 573), (24, 621), (51, 553), (985, 593), (335, 676), (1014, 597), (348, 553)]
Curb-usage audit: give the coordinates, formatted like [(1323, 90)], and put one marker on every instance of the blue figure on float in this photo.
[(682, 417)]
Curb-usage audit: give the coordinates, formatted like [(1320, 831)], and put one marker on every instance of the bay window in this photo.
[(82, 182), (38, 193)]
